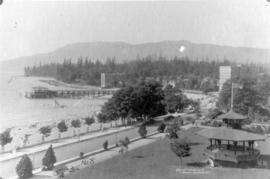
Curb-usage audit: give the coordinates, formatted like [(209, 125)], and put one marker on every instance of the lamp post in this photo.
[(232, 97), (234, 85)]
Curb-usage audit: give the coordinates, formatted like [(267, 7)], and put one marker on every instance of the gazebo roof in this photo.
[(232, 115), (224, 133)]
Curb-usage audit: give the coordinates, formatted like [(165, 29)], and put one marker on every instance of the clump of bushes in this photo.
[(60, 171), (49, 159), (206, 123), (172, 134), (180, 148), (105, 145), (5, 138), (76, 123), (268, 131), (62, 127), (172, 130), (216, 124), (24, 167), (259, 130), (81, 155), (168, 118), (161, 127), (125, 142), (190, 119), (45, 131), (214, 113), (89, 121), (142, 131)]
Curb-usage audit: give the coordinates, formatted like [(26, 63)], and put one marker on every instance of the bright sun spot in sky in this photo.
[(182, 49)]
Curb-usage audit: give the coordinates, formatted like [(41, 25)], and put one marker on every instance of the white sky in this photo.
[(30, 27)]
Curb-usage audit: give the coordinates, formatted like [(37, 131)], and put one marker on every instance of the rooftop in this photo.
[(232, 115), (224, 133)]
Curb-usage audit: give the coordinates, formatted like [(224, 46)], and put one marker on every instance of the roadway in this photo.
[(8, 167)]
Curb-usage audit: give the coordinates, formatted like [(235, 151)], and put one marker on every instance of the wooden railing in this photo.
[(232, 155)]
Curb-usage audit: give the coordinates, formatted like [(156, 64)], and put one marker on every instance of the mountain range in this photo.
[(123, 52)]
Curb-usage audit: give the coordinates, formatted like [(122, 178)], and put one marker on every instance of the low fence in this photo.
[(37, 138)]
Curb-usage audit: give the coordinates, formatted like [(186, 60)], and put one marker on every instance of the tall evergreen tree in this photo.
[(49, 159), (24, 167)]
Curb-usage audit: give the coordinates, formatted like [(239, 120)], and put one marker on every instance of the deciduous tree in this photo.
[(45, 131), (5, 138), (62, 127)]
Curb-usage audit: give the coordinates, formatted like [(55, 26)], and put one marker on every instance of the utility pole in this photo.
[(232, 97)]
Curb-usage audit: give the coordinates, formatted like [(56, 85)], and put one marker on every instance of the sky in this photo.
[(29, 27)]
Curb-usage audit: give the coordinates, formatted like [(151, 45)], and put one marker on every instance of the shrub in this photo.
[(161, 127), (76, 123), (24, 167), (205, 123), (89, 121), (49, 159), (45, 130), (124, 143), (105, 145), (181, 149), (60, 171), (259, 130), (5, 138), (62, 127), (190, 119), (268, 130), (81, 155), (127, 140), (168, 118), (213, 113), (216, 124), (173, 129), (142, 131), (174, 126), (173, 134), (73, 169)]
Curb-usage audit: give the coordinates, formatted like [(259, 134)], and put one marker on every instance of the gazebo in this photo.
[(231, 145), (232, 119)]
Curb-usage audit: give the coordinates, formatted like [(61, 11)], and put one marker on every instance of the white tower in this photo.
[(225, 73), (103, 84)]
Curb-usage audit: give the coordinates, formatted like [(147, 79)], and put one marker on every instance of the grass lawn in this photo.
[(157, 161)]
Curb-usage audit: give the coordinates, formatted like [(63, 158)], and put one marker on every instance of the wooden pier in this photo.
[(42, 93)]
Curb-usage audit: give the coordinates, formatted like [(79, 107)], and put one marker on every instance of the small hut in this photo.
[(232, 119)]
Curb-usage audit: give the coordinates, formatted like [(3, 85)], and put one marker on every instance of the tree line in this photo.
[(186, 73)]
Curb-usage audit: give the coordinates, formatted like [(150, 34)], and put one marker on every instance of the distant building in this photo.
[(103, 80), (229, 73), (112, 80), (225, 73)]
